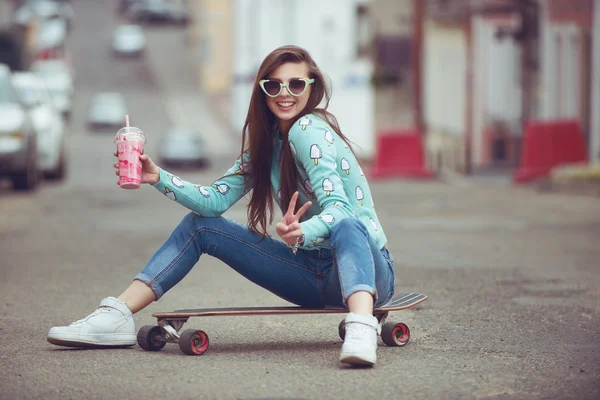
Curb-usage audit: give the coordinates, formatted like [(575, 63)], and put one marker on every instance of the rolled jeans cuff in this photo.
[(151, 283), (361, 288)]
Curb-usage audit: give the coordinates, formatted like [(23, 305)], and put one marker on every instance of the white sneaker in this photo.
[(360, 342), (111, 325)]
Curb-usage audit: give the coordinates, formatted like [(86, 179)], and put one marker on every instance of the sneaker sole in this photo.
[(356, 360), (87, 344)]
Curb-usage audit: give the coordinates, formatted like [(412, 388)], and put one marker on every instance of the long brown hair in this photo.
[(258, 131)]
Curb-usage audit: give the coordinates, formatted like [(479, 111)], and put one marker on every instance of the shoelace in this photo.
[(98, 311)]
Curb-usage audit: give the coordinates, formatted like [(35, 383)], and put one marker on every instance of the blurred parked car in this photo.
[(123, 6), (12, 52), (107, 109), (174, 11), (60, 80), (18, 137), (51, 34), (129, 40), (43, 9), (47, 121), (183, 147)]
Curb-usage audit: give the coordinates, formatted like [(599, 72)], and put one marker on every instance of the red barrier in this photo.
[(400, 154), (549, 144)]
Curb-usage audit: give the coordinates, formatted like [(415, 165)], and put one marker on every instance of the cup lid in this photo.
[(130, 133)]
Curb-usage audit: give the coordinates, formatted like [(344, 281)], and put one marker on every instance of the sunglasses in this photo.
[(296, 87)]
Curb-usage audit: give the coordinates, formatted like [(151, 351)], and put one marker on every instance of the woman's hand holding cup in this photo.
[(150, 172)]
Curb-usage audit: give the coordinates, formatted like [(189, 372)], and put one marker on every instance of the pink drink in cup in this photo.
[(130, 145)]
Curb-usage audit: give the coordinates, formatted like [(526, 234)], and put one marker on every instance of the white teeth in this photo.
[(285, 104)]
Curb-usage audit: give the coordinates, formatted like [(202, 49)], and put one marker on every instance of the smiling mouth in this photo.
[(285, 104)]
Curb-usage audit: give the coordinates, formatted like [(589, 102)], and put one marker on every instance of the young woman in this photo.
[(332, 250)]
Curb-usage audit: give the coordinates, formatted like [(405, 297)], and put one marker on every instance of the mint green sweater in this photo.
[(331, 178)]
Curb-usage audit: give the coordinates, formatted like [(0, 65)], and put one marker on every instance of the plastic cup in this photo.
[(130, 145)]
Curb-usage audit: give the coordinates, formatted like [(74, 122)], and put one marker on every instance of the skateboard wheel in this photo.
[(193, 342), (150, 338), (395, 334), (342, 329)]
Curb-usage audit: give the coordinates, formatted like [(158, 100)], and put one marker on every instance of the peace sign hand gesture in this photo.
[(289, 229)]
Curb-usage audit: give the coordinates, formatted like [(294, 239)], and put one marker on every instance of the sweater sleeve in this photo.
[(310, 142), (208, 201)]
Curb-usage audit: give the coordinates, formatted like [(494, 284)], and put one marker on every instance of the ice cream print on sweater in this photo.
[(341, 192), (170, 194), (203, 191), (315, 153), (176, 180), (331, 178), (304, 122), (212, 200), (329, 137), (222, 188), (328, 186), (244, 167), (345, 165)]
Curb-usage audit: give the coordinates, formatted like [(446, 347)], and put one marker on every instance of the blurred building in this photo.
[(232, 37), (489, 66), (569, 38), (391, 22), (595, 108), (331, 31), (474, 72), (212, 38)]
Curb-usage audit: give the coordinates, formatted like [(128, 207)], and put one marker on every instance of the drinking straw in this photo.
[(127, 121)]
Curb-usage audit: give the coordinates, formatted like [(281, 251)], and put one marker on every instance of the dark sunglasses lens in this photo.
[(297, 86), (271, 87)]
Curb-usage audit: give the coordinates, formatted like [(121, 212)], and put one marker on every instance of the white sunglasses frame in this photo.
[(308, 82)]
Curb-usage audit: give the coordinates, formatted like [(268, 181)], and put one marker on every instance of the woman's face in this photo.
[(285, 106)]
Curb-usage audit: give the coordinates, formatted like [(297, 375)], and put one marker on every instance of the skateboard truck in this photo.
[(381, 319), (172, 329)]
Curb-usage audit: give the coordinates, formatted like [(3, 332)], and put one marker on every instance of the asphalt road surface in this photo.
[(512, 276)]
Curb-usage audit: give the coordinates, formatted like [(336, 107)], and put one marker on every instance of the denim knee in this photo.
[(348, 225), (192, 222)]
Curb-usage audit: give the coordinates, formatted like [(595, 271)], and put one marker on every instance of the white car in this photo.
[(47, 121), (31, 10), (18, 137), (183, 147), (174, 11), (60, 81), (129, 40), (51, 34), (107, 109)]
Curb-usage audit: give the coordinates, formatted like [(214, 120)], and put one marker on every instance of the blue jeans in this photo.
[(311, 278)]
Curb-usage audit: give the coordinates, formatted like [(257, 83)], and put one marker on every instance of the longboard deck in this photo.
[(398, 302)]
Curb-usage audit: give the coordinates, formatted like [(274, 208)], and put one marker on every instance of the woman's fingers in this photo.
[(281, 227), (292, 232), (291, 237), (293, 226), (292, 205), (302, 210), (146, 160)]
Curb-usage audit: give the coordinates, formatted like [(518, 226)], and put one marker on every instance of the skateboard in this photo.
[(195, 342)]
